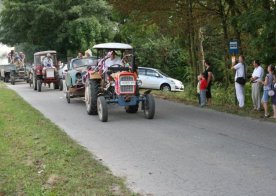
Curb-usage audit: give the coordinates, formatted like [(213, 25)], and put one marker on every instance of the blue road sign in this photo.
[(233, 47)]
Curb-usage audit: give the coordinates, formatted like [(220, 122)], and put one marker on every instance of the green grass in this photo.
[(37, 158), (223, 100)]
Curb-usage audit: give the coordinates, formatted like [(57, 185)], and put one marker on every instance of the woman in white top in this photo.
[(240, 72)]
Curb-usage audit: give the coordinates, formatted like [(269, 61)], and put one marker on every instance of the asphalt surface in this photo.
[(185, 150)]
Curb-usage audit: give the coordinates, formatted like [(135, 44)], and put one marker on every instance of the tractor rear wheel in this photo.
[(12, 80), (34, 83), (102, 109), (56, 85), (39, 85), (149, 106), (60, 85), (91, 94)]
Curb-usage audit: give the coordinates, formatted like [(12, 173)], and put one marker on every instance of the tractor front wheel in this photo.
[(149, 106), (102, 109)]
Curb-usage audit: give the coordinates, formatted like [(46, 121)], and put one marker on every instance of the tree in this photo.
[(67, 26)]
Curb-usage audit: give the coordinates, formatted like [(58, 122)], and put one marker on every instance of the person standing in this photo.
[(273, 99), (203, 89), (268, 85), (198, 88), (208, 73), (257, 76), (240, 73)]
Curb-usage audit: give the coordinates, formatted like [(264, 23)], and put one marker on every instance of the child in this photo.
[(198, 88), (203, 87)]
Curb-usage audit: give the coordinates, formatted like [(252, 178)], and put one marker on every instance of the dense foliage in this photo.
[(66, 26), (173, 35)]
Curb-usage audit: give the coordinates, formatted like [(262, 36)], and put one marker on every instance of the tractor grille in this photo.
[(127, 88)]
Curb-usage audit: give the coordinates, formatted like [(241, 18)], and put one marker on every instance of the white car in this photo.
[(155, 79)]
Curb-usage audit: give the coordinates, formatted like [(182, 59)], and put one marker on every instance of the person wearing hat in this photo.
[(112, 59), (48, 61)]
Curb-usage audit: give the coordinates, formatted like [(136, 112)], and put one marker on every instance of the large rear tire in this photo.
[(60, 85), (39, 85), (132, 109), (91, 94), (6, 79), (34, 83), (102, 109), (12, 80), (56, 85), (68, 97), (149, 106)]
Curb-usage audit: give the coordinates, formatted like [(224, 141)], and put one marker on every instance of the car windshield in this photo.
[(39, 59), (84, 62), (162, 73)]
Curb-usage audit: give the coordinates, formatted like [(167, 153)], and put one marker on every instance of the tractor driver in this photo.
[(48, 61), (112, 59)]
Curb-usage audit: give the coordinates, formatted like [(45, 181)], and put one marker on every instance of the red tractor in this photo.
[(45, 70), (115, 81)]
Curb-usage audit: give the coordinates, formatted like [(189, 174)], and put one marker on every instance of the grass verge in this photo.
[(37, 158)]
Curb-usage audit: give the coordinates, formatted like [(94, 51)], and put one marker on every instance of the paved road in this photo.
[(185, 150)]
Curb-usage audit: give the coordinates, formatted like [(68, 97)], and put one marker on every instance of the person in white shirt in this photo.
[(112, 59), (257, 76), (240, 72), (48, 61)]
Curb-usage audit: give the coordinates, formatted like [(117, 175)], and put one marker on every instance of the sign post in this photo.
[(234, 50)]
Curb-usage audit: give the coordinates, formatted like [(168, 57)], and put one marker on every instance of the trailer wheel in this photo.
[(102, 109), (149, 106)]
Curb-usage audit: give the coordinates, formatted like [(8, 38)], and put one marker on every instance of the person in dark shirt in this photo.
[(208, 74)]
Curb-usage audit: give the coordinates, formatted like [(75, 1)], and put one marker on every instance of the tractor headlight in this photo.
[(139, 82)]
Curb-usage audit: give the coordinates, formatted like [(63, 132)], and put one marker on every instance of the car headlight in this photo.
[(172, 82)]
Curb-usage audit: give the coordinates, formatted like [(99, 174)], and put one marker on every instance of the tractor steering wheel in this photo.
[(116, 65)]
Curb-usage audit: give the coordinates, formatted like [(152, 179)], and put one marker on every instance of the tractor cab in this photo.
[(45, 69)]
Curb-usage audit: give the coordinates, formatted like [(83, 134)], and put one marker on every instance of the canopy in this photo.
[(113, 46), (45, 52)]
